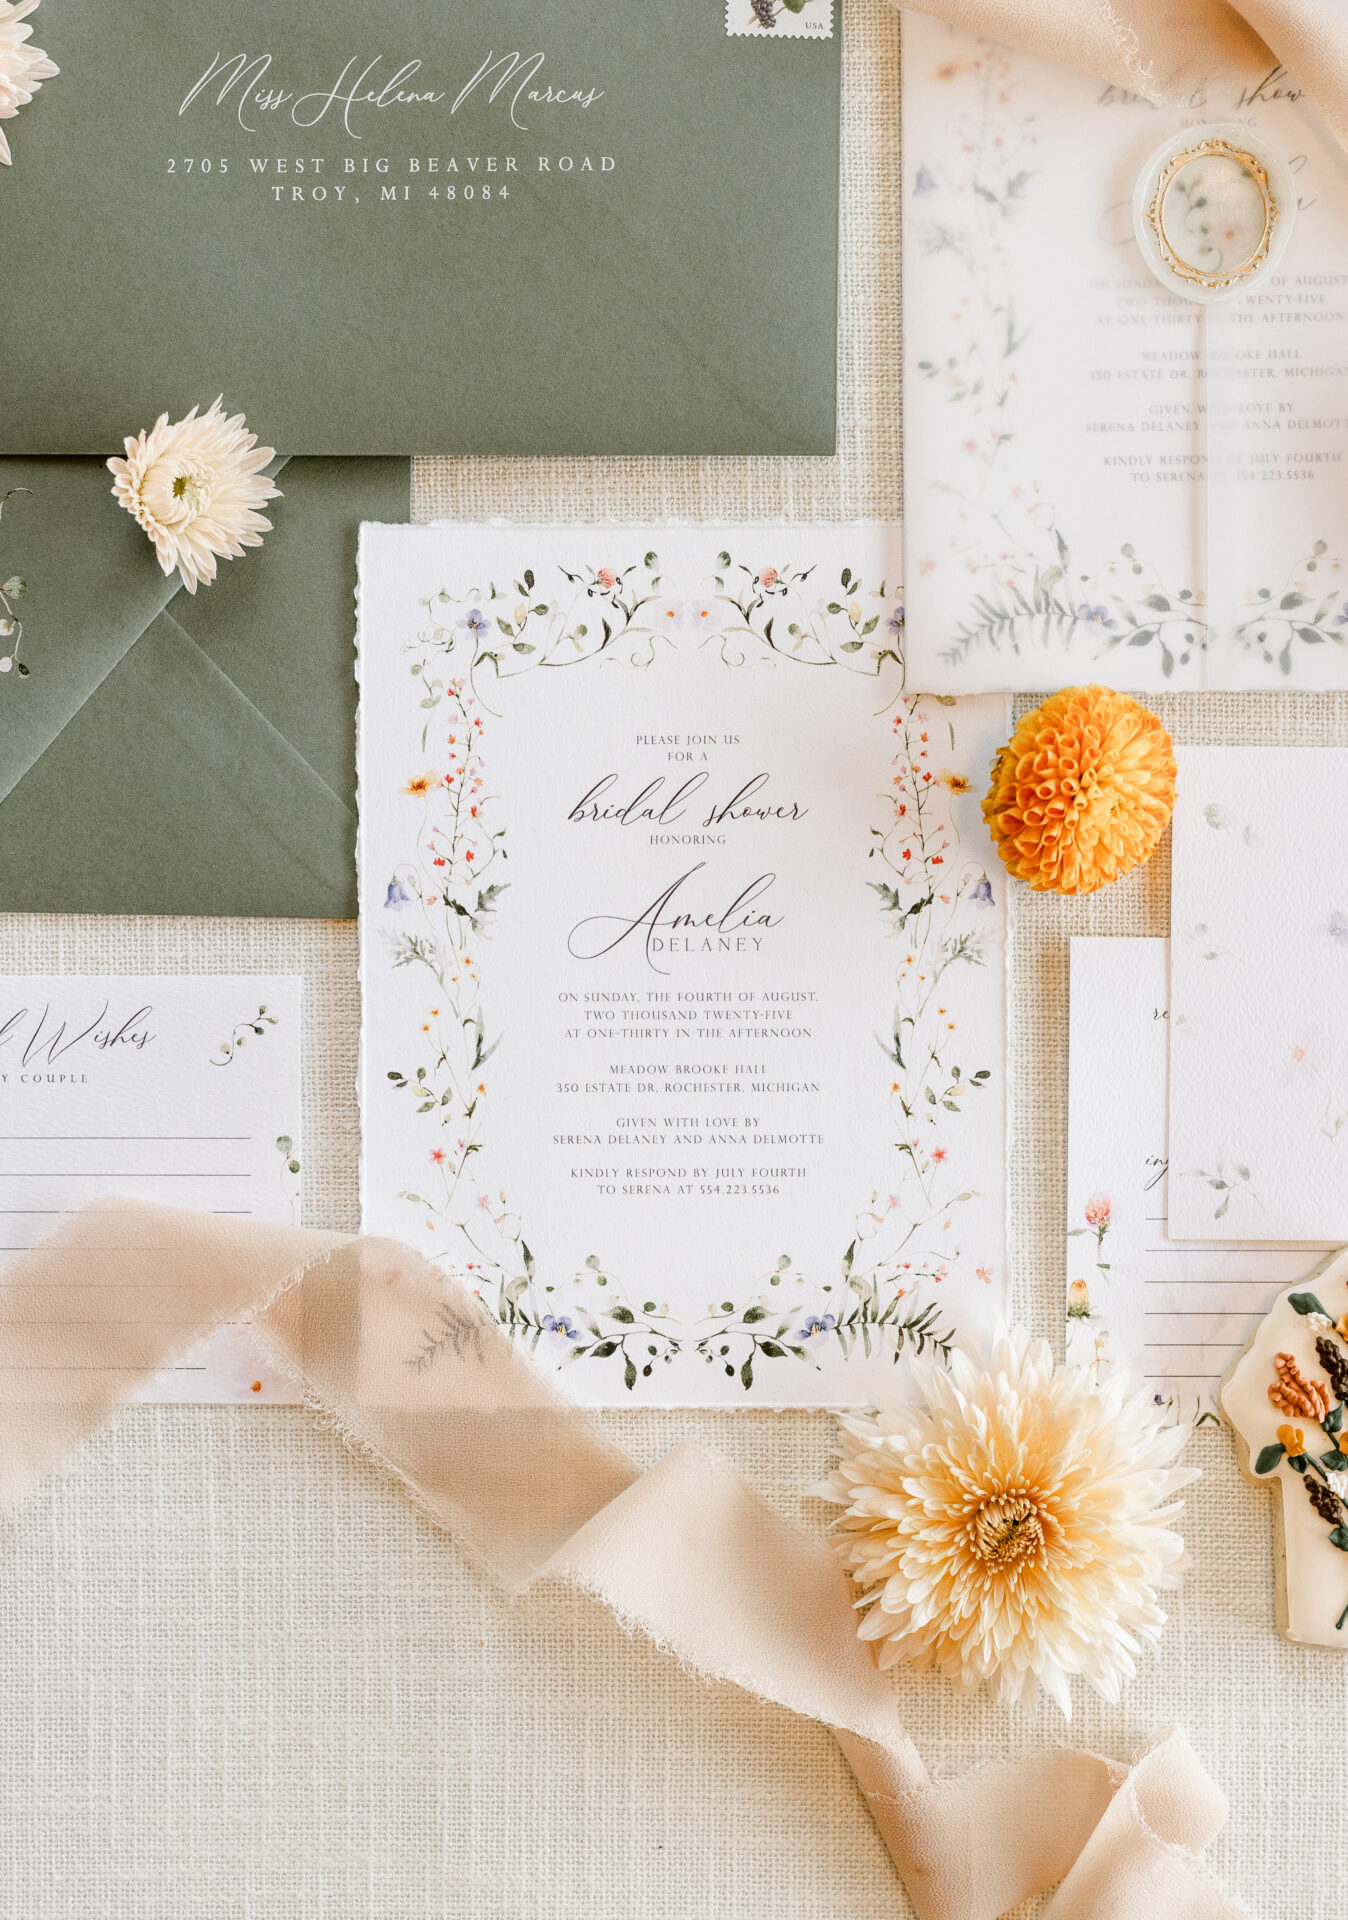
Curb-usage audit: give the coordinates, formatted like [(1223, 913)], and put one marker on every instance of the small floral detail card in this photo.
[(181, 1089), (1259, 1042), (1174, 1315), (1078, 439), (683, 948), (780, 19)]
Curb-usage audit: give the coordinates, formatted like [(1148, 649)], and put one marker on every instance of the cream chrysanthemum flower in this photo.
[(1011, 1526), (22, 68), (196, 486)]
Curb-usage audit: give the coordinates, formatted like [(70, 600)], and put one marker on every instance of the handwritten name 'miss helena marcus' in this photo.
[(244, 84)]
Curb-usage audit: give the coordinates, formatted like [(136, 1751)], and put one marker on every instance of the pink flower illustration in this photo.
[(1097, 1210), (607, 578)]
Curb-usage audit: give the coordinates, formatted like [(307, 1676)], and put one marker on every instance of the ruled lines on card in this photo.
[(1202, 1303), (213, 1172), (180, 1090)]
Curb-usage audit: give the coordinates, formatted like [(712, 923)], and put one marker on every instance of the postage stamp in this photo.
[(780, 19)]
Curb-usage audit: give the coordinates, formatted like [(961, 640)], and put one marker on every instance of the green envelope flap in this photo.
[(170, 791), (281, 623), (172, 753), (640, 255), (94, 586)]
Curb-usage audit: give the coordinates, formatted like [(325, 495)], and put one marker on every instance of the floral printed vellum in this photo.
[(1259, 975), (1063, 492), (1173, 1315), (683, 947)]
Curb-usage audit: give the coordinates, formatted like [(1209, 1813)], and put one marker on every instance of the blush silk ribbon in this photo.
[(1169, 50), (403, 1361)]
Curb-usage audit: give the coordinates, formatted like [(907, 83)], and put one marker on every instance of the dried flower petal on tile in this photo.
[(1293, 1393)]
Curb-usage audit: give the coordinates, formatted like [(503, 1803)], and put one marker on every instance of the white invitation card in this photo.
[(1259, 1046), (181, 1089), (1106, 481), (1175, 1315), (683, 948)]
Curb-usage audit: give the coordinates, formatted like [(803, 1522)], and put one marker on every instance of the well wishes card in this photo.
[(400, 226), (683, 948), (181, 1089)]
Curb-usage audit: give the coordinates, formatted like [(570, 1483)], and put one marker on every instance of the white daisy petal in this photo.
[(22, 68), (195, 487)]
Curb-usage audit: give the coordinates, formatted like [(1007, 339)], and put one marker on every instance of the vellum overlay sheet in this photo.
[(683, 949), (1259, 1044), (184, 1090), (1106, 480), (1174, 1314)]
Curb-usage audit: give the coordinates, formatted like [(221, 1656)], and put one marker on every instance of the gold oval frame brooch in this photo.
[(1174, 228)]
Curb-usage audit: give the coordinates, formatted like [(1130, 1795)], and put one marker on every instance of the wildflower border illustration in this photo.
[(1031, 594), (1089, 1328), (451, 885), (1087, 1331)]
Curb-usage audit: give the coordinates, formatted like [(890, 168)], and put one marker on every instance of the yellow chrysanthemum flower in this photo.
[(1082, 791)]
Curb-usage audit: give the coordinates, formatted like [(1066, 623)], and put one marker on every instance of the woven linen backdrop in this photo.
[(241, 1676)]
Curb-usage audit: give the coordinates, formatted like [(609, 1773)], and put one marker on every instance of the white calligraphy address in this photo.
[(247, 78)]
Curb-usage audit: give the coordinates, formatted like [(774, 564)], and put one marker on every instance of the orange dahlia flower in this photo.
[(1082, 792)]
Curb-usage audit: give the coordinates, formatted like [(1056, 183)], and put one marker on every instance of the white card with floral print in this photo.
[(181, 1089), (683, 949), (1175, 1315), (1259, 984), (1106, 481)]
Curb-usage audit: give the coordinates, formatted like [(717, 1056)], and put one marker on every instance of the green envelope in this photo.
[(410, 226), (170, 753)]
